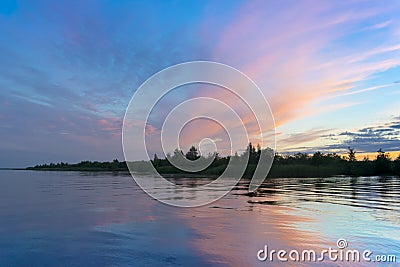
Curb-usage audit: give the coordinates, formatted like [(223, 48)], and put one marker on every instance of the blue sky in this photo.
[(330, 70)]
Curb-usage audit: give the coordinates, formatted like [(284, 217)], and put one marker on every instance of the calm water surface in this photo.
[(104, 219)]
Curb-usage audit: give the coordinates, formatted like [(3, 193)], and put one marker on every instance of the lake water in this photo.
[(104, 219)]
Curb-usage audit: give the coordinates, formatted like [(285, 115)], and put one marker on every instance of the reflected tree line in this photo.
[(292, 165)]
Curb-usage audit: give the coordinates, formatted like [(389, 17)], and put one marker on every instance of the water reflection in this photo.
[(375, 193), (97, 219), (311, 213)]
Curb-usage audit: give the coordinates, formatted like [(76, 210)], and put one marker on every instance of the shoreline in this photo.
[(200, 176)]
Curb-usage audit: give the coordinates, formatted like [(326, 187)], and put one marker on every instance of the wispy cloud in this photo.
[(297, 139), (287, 61), (380, 25)]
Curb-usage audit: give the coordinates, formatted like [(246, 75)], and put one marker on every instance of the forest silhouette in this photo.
[(299, 165)]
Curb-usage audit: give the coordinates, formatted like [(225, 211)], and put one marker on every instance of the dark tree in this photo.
[(396, 165), (317, 158), (258, 151), (176, 153), (253, 153), (351, 154), (382, 163), (156, 161), (192, 154)]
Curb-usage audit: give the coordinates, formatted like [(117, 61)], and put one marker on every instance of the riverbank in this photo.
[(277, 170)]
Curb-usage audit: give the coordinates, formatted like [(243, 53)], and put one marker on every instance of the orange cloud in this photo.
[(280, 48)]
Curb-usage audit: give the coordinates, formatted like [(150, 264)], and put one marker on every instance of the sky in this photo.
[(330, 71)]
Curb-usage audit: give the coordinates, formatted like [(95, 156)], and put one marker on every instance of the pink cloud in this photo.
[(280, 47)]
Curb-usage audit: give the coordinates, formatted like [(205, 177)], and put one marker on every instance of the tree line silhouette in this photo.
[(291, 165)]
